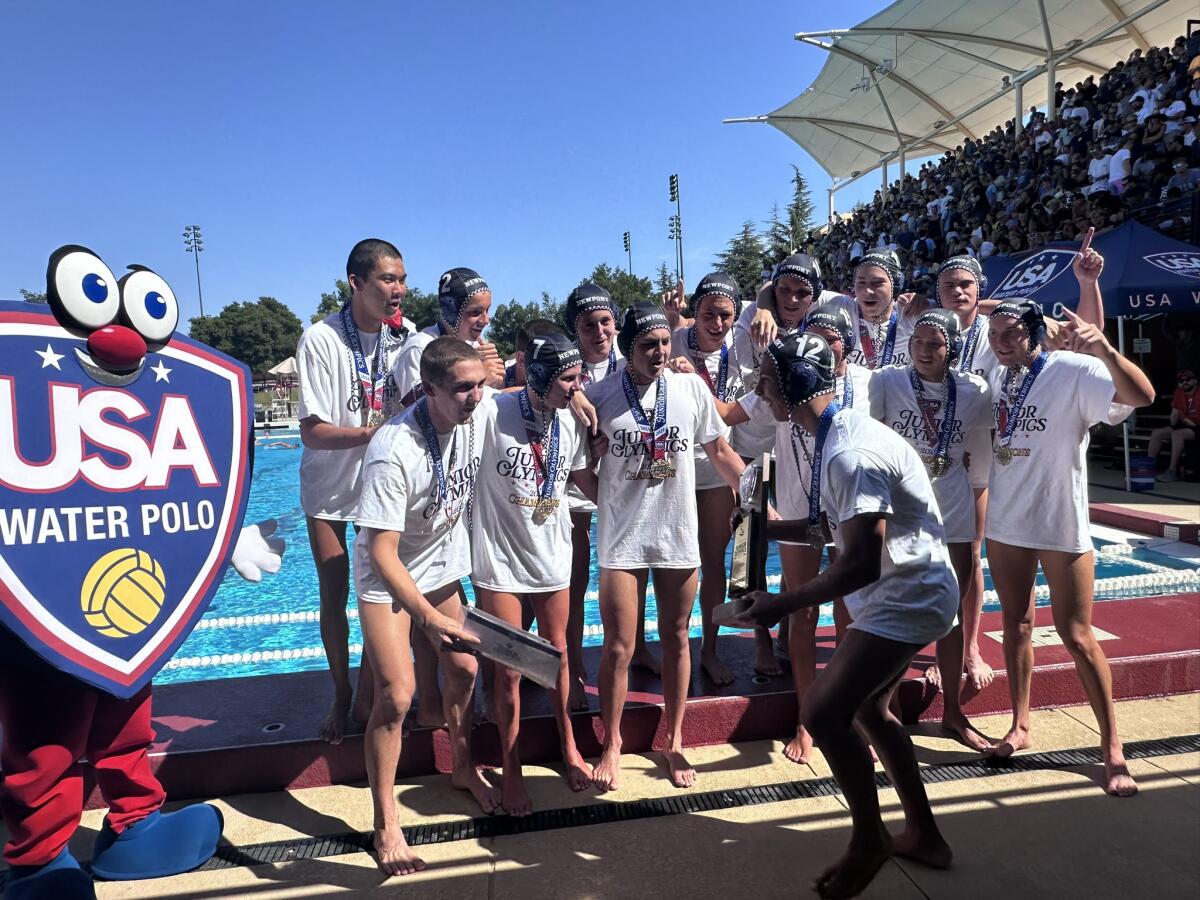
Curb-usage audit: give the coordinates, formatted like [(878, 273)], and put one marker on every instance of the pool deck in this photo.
[(1045, 831), (242, 735), (1171, 510)]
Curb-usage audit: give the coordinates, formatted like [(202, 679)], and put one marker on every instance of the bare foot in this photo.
[(765, 661), (607, 773), (577, 699), (799, 748), (472, 780), (515, 799), (934, 676), (334, 726), (979, 673), (682, 773), (394, 855), (927, 849), (716, 670), (644, 659), (579, 773), (1117, 780), (850, 875), (1017, 739), (959, 726)]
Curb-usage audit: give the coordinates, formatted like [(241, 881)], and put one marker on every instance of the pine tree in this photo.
[(778, 237), (800, 210), (664, 280), (744, 258)]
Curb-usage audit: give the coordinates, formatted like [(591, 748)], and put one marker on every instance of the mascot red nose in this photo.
[(124, 475)]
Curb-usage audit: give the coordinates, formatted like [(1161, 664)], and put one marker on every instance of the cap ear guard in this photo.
[(536, 377)]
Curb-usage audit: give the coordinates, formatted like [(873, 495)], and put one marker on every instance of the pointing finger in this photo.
[(1087, 240)]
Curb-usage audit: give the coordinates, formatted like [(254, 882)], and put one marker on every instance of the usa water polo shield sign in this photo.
[(121, 497)]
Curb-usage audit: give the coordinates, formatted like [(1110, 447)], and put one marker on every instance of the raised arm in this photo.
[(1087, 267), (1130, 384)]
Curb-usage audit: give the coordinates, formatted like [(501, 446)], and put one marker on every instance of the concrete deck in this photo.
[(1042, 834)]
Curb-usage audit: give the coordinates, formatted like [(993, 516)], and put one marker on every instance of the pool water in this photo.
[(271, 628)]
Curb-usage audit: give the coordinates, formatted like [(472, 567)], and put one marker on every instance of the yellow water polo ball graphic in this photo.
[(123, 592)]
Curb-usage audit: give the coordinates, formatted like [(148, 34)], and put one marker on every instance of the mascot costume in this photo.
[(124, 474)]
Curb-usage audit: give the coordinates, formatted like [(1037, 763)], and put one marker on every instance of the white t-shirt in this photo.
[(400, 493), (330, 480), (983, 360), (1039, 499), (869, 469), (1118, 165), (591, 374), (407, 370), (509, 551), (706, 476), (646, 522), (793, 469), (876, 334), (894, 403)]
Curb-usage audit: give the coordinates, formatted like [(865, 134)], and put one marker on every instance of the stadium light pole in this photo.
[(194, 242), (629, 252), (677, 224)]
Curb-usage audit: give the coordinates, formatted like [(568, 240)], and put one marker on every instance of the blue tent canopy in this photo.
[(1144, 273)]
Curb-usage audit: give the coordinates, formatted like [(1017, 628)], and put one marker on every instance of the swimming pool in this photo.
[(272, 628)]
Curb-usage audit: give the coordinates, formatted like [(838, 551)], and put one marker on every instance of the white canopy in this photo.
[(287, 367), (922, 76)]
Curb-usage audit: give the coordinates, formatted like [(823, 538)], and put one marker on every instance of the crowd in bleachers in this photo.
[(1118, 142)]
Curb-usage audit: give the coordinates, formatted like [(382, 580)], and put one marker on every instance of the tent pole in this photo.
[(1125, 424)]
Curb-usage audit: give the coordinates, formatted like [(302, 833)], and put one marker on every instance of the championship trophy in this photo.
[(748, 571)]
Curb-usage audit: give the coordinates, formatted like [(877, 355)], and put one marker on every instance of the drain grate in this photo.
[(711, 801)]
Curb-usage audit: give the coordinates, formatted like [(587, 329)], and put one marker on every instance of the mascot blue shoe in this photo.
[(161, 844), (59, 879)]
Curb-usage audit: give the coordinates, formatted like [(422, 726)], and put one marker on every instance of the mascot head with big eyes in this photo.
[(119, 320), (124, 471)]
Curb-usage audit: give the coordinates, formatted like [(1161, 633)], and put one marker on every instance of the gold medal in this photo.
[(375, 419), (661, 469), (1004, 455), (939, 466), (544, 509)]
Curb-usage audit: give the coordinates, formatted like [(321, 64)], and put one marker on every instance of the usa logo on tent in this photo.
[(123, 473), (1179, 262), (1034, 274)]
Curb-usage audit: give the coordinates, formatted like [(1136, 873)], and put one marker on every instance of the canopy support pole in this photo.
[(1125, 424), (831, 213), (1019, 99)]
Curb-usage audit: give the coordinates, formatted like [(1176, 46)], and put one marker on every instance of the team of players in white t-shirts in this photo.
[(664, 436)]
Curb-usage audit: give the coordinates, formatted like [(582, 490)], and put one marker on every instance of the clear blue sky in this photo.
[(520, 139)]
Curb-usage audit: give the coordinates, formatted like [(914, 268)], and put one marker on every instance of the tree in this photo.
[(744, 258), (259, 334), (625, 289), (33, 296), (664, 280), (332, 301), (800, 210), (778, 237), (508, 319)]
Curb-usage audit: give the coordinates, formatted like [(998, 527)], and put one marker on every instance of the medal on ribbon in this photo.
[(938, 437), (543, 445), (815, 533), (653, 434), (699, 360), (970, 345), (433, 450), (1007, 418), (372, 380), (869, 342), (847, 391)]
